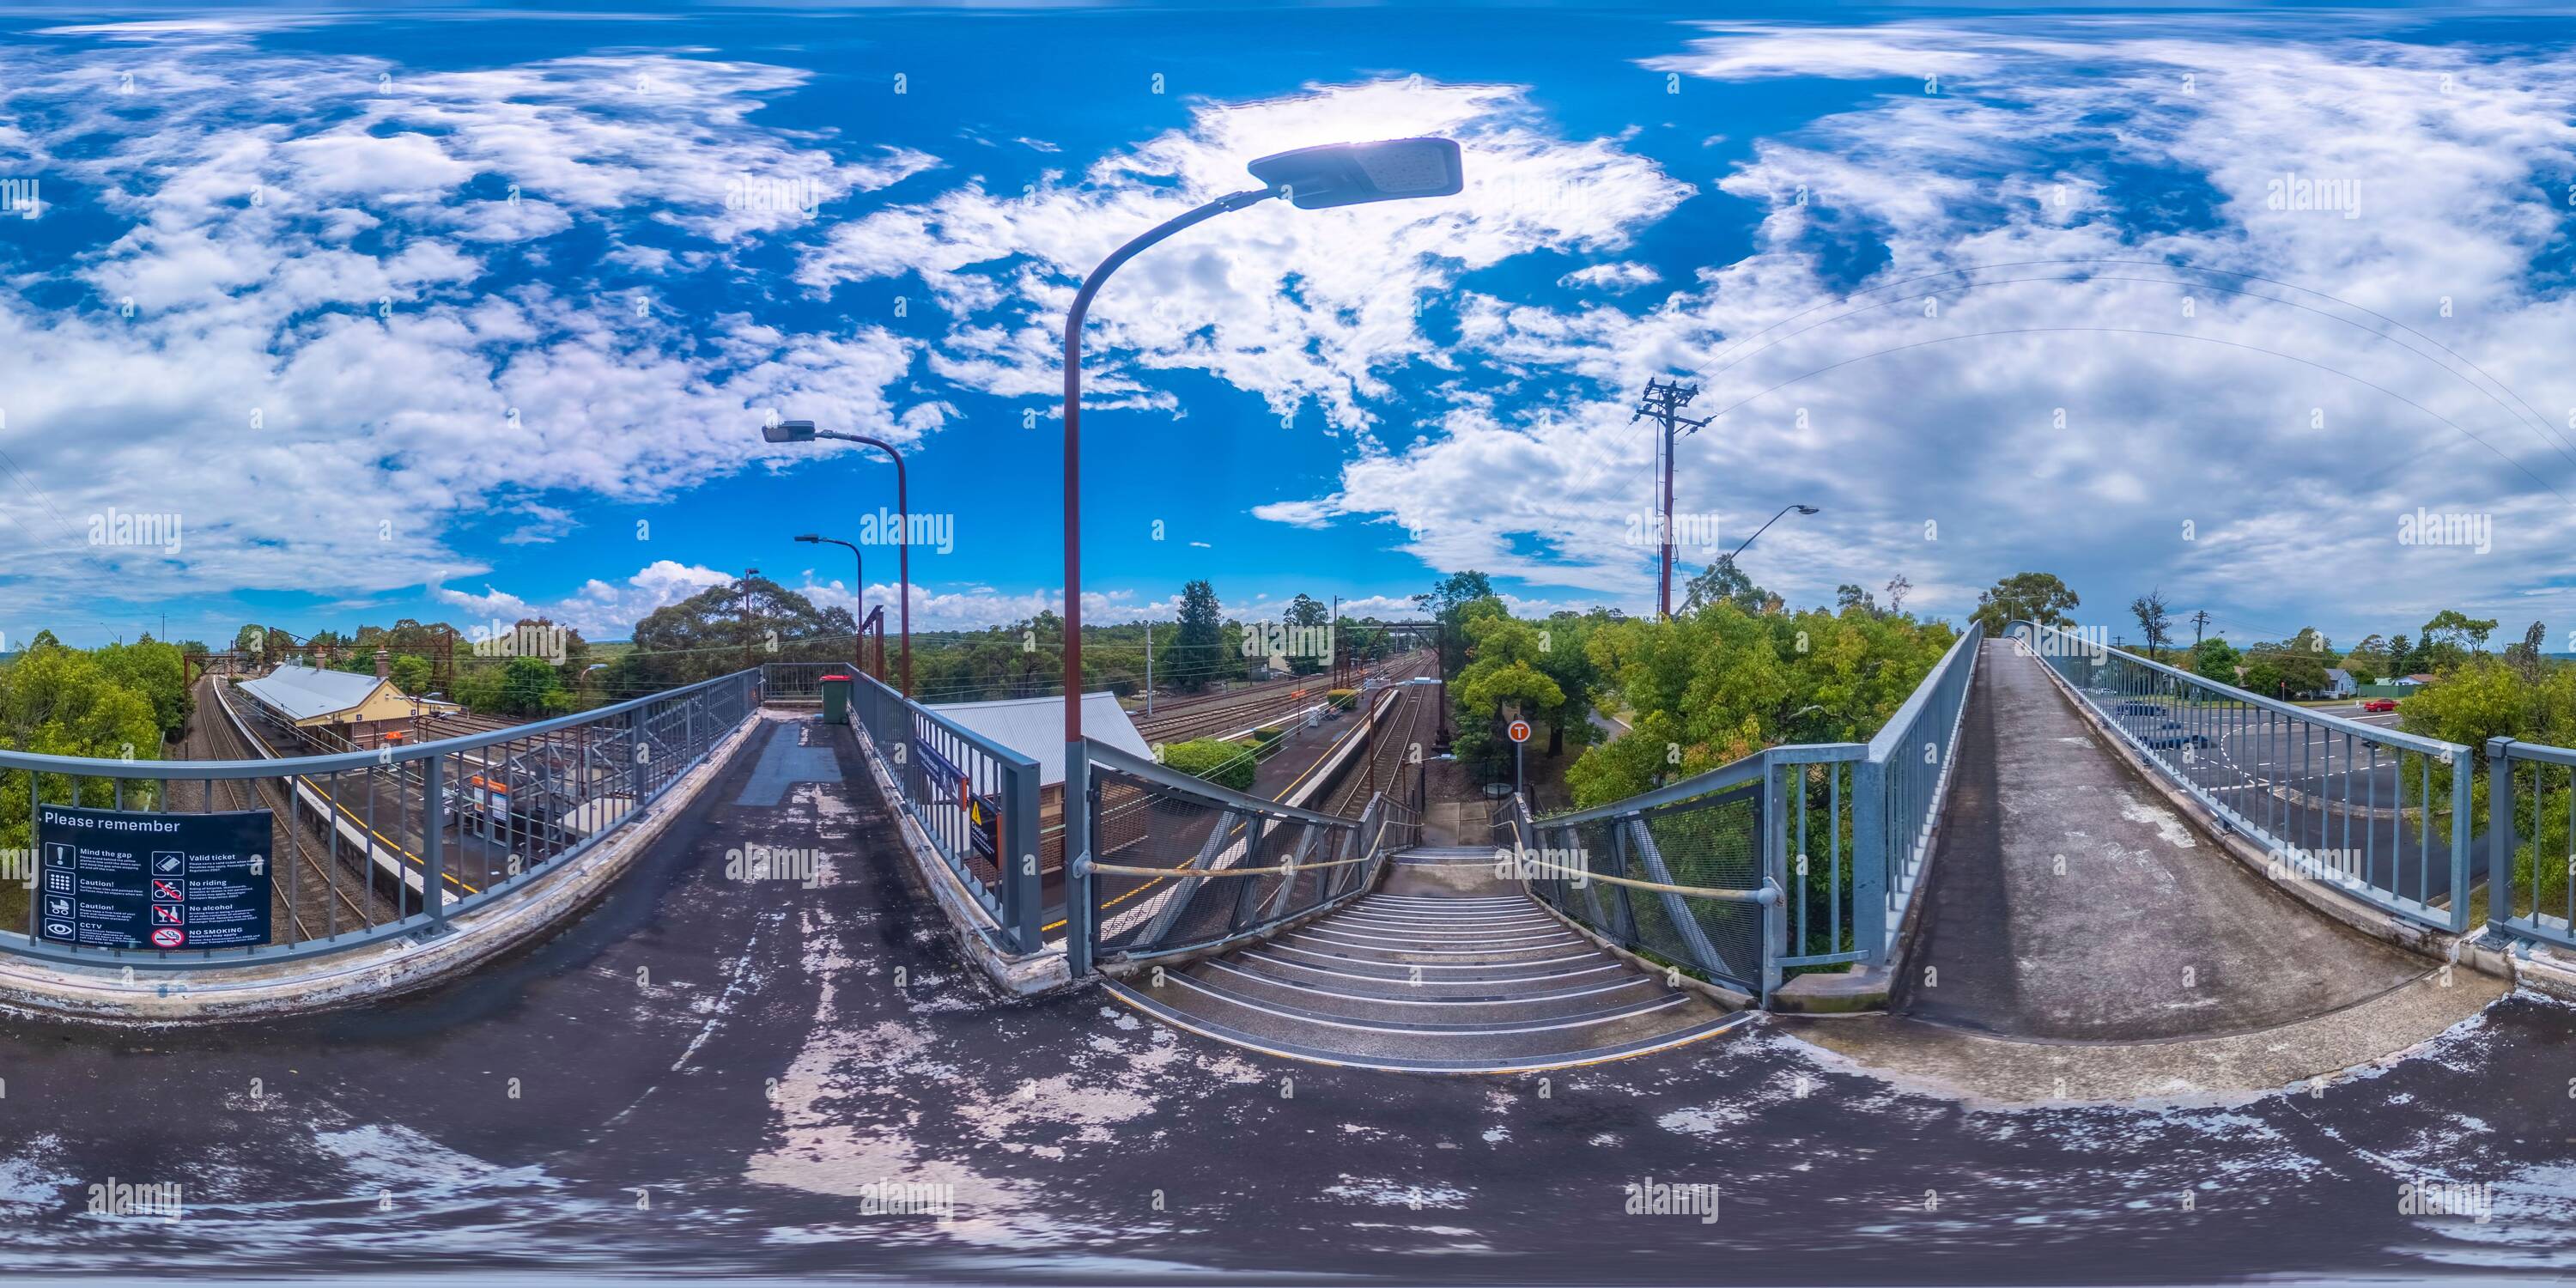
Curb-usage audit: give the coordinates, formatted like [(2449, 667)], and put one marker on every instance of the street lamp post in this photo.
[(802, 431), (1766, 527), (1337, 174), (858, 596), (747, 575)]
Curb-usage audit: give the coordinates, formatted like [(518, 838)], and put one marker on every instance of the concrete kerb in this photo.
[(978, 934), (2516, 963), (399, 966)]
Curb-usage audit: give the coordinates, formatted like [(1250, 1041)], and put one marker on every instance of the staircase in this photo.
[(1445, 970)]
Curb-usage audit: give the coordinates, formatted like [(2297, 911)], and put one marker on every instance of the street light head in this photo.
[(1347, 174), (789, 431), (811, 539), (1807, 509)]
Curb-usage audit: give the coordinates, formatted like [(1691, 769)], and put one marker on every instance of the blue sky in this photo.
[(470, 313)]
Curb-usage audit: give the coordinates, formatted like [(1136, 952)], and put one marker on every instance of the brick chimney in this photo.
[(384, 663)]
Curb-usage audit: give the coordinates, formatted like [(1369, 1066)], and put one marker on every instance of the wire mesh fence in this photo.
[(1180, 864)]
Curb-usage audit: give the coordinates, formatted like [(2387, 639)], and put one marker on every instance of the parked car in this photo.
[(2375, 705), (2166, 740)]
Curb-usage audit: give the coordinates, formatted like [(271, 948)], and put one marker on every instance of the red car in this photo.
[(2379, 704)]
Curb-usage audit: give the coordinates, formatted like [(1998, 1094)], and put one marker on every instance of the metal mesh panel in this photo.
[(1188, 840)]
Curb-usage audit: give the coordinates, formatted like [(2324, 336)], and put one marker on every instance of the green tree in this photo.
[(2214, 659), (1309, 622), (2263, 677), (2528, 657), (1444, 602), (2025, 596), (525, 684), (1724, 583), (60, 701), (1194, 654), (2153, 620)]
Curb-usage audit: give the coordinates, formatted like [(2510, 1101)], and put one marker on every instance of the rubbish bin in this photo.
[(836, 699)]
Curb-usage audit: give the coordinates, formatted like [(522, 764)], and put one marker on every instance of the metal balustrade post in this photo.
[(1017, 839), (1079, 926), (2501, 842), (1869, 859), (2461, 806), (433, 848)]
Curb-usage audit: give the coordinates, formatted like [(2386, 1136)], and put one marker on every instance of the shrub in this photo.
[(1221, 763), (1341, 699)]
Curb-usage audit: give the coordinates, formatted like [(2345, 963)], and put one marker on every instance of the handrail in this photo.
[(973, 739), (1696, 892), (2410, 741), (1731, 774), (1205, 792), (1883, 744), (100, 767)]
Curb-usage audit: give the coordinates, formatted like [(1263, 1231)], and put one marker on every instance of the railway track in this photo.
[(1222, 714), (1383, 768), (212, 736)]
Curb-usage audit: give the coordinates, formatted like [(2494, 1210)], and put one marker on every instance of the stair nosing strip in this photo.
[(1421, 1031), (1432, 983), (1432, 1001), (1214, 1031), (1362, 961)]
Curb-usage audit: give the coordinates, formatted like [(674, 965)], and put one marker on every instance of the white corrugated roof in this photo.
[(1034, 727), (303, 692)]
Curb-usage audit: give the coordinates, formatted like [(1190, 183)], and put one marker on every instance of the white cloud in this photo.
[(325, 297), (1293, 305)]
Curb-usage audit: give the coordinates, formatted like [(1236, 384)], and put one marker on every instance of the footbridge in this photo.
[(2050, 842), (735, 976)]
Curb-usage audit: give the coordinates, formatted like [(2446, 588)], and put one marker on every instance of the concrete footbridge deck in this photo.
[(791, 1067)]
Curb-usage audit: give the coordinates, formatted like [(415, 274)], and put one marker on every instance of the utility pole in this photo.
[(1663, 401), (2199, 622), (1149, 666)]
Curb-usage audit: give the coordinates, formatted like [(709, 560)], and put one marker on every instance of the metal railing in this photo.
[(2381, 815), (1798, 856), (801, 683), (977, 801), (366, 846), (2531, 840), (1903, 781), (1178, 864)]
